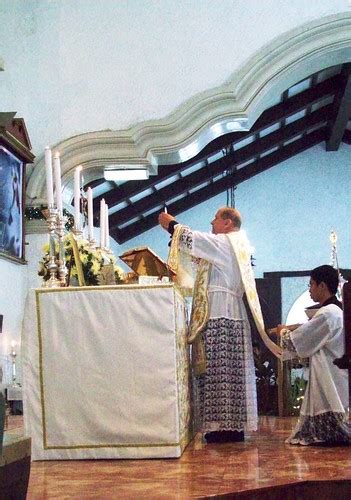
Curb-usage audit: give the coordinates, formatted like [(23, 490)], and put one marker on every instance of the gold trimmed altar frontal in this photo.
[(106, 372)]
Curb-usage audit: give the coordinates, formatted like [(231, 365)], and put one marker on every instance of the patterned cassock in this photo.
[(225, 395), (323, 412)]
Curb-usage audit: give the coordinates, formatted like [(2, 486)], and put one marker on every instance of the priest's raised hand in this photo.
[(164, 219)]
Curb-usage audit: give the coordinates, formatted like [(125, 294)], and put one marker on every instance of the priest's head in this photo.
[(226, 220), (323, 283)]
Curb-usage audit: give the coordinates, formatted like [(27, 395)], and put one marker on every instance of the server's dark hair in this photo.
[(328, 275)]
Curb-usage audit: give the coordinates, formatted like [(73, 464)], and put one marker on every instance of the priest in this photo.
[(225, 388), (322, 419)]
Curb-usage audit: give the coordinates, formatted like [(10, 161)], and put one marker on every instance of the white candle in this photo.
[(58, 185), (90, 214), (107, 229), (49, 183), (77, 198), (13, 345), (102, 223)]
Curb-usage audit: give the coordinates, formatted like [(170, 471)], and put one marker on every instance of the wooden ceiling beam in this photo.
[(94, 184), (341, 110), (132, 188), (221, 165), (347, 137), (298, 146)]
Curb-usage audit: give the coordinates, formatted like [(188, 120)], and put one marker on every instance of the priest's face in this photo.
[(218, 224)]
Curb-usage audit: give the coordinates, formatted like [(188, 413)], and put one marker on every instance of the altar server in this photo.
[(323, 412), (225, 388)]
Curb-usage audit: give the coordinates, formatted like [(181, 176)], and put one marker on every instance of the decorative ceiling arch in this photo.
[(233, 106)]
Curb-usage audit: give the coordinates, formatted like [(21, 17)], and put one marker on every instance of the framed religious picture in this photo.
[(14, 155), (11, 205)]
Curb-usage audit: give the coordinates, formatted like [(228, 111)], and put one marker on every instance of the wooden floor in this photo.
[(263, 461)]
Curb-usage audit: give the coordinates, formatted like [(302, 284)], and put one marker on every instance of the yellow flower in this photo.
[(84, 258), (95, 267), (46, 248), (118, 270), (74, 272)]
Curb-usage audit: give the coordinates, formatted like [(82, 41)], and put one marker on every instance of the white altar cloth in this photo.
[(106, 372)]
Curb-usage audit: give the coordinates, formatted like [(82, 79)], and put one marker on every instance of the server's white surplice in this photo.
[(323, 411)]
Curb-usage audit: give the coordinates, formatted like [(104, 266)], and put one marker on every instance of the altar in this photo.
[(106, 372)]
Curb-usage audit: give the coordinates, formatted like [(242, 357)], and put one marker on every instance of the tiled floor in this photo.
[(203, 470)]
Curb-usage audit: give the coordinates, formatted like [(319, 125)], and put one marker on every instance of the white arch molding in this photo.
[(235, 105)]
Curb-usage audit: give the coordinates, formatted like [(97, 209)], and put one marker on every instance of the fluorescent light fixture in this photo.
[(126, 174)]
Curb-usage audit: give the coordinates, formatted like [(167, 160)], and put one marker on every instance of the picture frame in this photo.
[(12, 193)]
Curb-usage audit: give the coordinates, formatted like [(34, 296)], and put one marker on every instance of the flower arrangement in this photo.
[(92, 261)]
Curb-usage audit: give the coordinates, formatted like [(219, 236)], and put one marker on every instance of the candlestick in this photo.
[(102, 223), (90, 214), (49, 183), (107, 229), (52, 266), (77, 198), (60, 231), (13, 355), (58, 185)]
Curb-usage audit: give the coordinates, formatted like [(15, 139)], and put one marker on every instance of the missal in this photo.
[(144, 262)]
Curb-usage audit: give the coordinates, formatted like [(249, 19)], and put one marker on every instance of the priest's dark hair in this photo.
[(329, 275)]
